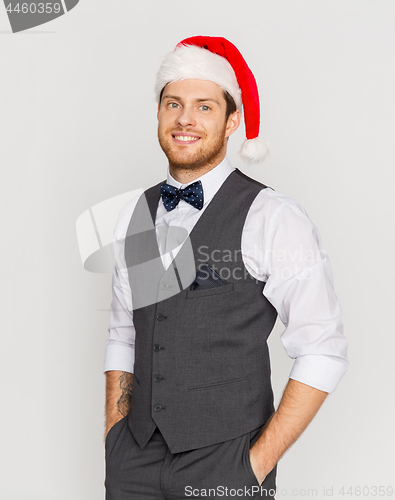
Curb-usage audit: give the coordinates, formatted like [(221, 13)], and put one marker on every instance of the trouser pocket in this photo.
[(250, 439), (111, 437), (267, 488)]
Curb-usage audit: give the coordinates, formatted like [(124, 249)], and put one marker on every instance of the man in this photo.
[(205, 261)]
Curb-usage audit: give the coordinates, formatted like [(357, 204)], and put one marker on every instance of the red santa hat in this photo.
[(218, 60)]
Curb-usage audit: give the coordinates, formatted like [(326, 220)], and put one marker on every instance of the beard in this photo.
[(184, 157)]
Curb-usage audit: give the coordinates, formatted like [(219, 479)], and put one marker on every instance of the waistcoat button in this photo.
[(160, 316), (158, 377), (157, 347), (158, 407)]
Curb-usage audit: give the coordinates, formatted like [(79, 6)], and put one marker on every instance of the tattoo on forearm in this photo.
[(125, 383)]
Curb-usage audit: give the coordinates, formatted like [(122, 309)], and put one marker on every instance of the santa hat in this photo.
[(218, 60)]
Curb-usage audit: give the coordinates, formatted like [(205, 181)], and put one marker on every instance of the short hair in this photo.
[(230, 103)]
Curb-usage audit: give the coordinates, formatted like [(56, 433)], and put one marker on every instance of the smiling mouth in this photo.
[(185, 139)]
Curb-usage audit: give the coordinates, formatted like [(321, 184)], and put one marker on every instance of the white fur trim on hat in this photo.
[(196, 63), (255, 150)]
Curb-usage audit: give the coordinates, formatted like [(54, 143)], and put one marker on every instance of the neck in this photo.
[(185, 174)]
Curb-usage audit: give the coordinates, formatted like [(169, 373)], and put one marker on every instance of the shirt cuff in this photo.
[(321, 372), (119, 357)]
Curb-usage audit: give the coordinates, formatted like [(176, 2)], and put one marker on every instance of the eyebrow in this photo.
[(203, 99)]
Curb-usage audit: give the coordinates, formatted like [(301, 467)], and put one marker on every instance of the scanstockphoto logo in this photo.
[(28, 14), (100, 251)]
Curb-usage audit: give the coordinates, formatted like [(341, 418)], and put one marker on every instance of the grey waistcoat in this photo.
[(202, 369)]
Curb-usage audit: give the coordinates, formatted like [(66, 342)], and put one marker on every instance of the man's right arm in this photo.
[(119, 353), (119, 356), (118, 397)]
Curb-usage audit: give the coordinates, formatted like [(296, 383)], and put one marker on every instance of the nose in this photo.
[(186, 118)]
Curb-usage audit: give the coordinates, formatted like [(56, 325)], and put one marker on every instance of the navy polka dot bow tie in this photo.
[(171, 195)]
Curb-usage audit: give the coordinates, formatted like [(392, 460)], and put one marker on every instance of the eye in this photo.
[(206, 107), (172, 105)]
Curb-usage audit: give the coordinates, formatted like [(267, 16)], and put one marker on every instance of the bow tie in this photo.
[(171, 195)]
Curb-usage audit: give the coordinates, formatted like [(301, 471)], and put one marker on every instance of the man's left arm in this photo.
[(300, 286), (298, 405)]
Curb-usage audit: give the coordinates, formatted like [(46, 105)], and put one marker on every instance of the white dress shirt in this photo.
[(281, 246)]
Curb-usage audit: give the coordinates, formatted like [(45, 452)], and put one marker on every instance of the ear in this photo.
[(233, 123)]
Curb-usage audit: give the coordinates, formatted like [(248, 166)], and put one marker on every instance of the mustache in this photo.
[(173, 132)]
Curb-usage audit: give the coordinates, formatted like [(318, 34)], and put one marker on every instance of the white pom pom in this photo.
[(255, 150)]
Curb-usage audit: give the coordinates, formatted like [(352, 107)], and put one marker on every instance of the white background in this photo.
[(78, 126)]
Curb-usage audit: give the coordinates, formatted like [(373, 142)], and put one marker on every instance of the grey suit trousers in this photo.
[(154, 473)]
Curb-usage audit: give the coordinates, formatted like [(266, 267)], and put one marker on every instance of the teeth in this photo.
[(185, 138)]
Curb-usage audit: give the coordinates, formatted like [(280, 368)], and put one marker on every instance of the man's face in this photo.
[(192, 130)]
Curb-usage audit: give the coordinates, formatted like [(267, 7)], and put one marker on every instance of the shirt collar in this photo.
[(211, 181)]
